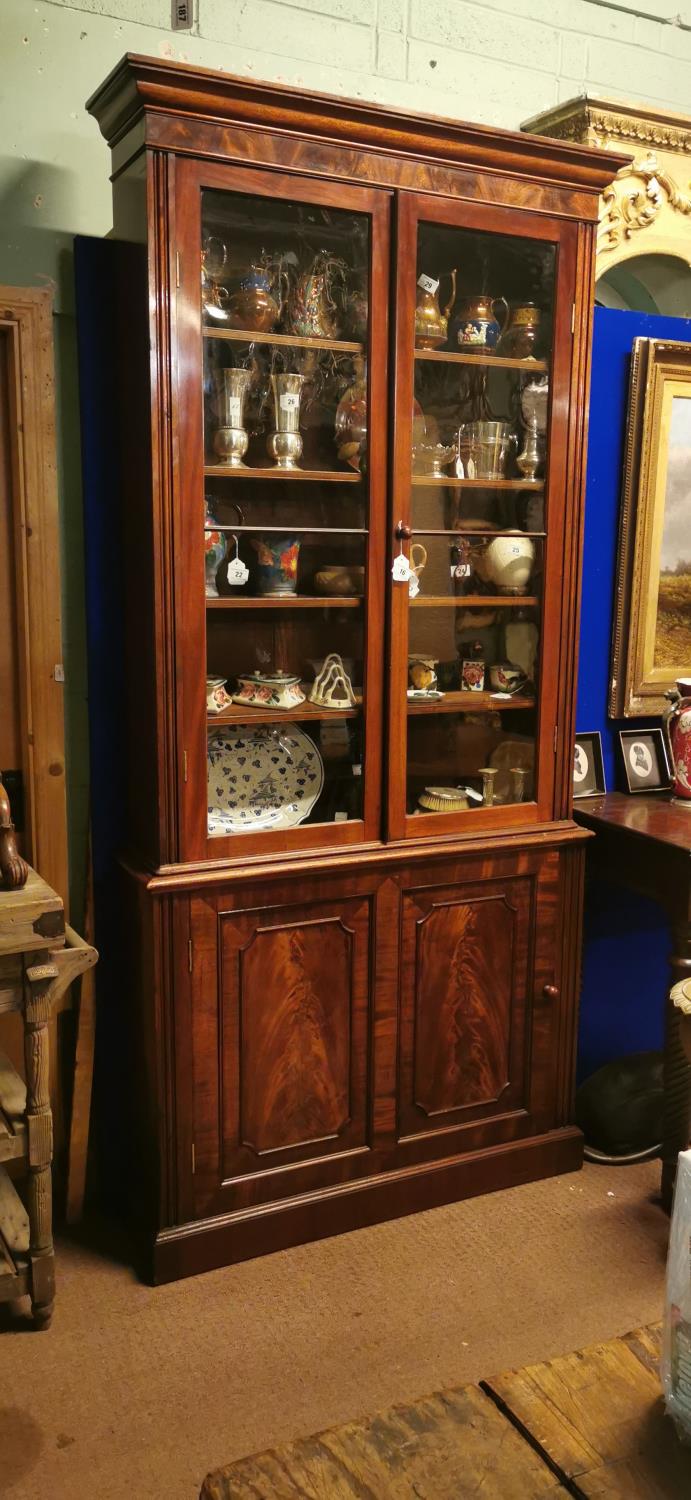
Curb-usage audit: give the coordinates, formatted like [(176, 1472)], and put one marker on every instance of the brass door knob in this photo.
[(550, 992)]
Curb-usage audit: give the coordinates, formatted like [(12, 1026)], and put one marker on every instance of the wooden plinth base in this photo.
[(209, 1243)]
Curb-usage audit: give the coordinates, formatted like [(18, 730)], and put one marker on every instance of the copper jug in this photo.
[(431, 324), (256, 305), (520, 333)]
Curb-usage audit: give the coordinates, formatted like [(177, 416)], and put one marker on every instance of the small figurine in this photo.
[(14, 870)]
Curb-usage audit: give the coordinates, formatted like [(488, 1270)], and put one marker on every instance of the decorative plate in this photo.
[(261, 778)]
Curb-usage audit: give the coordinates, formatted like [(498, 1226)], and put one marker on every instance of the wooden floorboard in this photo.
[(590, 1424), (446, 1446)]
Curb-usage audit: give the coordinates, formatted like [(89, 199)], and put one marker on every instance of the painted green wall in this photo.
[(495, 61)]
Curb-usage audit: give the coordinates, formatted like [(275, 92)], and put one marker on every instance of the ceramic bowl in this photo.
[(337, 579)]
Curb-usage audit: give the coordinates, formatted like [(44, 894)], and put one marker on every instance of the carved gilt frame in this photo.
[(660, 371)]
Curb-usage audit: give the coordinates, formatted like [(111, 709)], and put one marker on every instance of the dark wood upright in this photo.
[(339, 1022)]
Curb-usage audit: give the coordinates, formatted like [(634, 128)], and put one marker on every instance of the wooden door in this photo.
[(479, 1007), (276, 1058), (484, 524)]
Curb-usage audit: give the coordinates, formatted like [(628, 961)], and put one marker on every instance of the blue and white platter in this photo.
[(261, 778)]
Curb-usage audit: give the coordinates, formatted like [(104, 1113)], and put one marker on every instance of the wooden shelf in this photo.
[(239, 714), (469, 703), (13, 1132), (477, 601), (499, 361), (474, 531), (292, 341), (321, 476), (287, 601), (451, 483)]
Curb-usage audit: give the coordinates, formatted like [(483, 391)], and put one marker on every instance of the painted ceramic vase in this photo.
[(214, 550), (217, 699), (254, 305), (676, 725), (277, 564), (475, 327)]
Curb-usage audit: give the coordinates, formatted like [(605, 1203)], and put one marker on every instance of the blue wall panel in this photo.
[(627, 942)]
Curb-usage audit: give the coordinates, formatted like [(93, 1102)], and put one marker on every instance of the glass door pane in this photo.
[(285, 312), (475, 519)]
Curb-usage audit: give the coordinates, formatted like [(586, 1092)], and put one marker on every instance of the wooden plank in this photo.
[(322, 476), (78, 1145), (445, 1446), (291, 341), (499, 361), (14, 1219), (291, 601), (468, 702), (12, 1090), (11, 982), (598, 1417)]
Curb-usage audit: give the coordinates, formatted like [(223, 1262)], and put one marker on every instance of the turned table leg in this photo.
[(38, 1002), (677, 1073)]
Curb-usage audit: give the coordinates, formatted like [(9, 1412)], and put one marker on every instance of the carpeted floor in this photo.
[(135, 1393)]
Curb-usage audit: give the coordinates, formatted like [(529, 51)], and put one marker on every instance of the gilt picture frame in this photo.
[(651, 644)]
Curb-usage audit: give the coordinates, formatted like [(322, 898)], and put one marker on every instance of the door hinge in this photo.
[(189, 954), (573, 316), (184, 765), (177, 268), (556, 736), (194, 1160)]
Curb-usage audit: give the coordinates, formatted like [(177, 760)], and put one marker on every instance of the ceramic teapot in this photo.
[(676, 727), (431, 324)]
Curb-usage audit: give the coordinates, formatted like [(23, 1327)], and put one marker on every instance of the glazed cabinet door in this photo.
[(278, 1060), (484, 502), (279, 463), (480, 1018)]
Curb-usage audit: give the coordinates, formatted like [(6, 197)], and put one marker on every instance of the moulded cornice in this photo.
[(143, 86)]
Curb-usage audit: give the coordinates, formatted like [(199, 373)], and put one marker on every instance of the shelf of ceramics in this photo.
[(451, 483), (498, 361), (291, 601), (476, 601), (303, 712), (322, 476), (262, 530), (245, 336), (468, 703), (474, 531)]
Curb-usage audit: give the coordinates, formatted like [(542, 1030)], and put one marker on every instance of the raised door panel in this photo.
[(280, 1020), (476, 958)]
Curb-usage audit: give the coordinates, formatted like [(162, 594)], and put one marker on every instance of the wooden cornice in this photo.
[(141, 87)]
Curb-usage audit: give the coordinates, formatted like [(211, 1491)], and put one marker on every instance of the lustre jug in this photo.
[(475, 327), (431, 324)]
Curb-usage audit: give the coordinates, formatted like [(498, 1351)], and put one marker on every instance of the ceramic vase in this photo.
[(676, 725), (277, 564), (214, 550)]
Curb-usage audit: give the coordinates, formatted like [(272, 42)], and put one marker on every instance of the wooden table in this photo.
[(644, 843), (39, 958)]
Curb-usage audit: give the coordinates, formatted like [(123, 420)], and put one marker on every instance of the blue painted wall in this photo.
[(627, 942)]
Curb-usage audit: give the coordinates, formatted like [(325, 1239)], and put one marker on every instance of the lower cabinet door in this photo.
[(479, 1032), (279, 1026)]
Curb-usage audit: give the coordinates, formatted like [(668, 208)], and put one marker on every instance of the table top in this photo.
[(647, 815), (31, 918)]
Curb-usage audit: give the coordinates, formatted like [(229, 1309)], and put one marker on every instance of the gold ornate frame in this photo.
[(660, 370)]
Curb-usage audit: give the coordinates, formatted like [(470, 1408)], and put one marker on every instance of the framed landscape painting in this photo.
[(652, 626)]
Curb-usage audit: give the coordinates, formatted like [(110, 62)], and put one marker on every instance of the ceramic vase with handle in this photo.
[(676, 727), (431, 324)]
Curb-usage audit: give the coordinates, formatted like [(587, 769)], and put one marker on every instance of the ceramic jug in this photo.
[(475, 327), (431, 324), (313, 304), (676, 726)]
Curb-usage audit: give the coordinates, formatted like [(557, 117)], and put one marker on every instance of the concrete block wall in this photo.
[(493, 61)]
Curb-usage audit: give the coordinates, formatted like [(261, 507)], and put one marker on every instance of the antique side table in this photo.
[(644, 843), (39, 958)]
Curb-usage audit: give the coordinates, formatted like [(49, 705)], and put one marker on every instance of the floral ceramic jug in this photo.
[(676, 725), (313, 304)]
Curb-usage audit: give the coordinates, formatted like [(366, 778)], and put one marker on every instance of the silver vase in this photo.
[(231, 440), (285, 443)]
